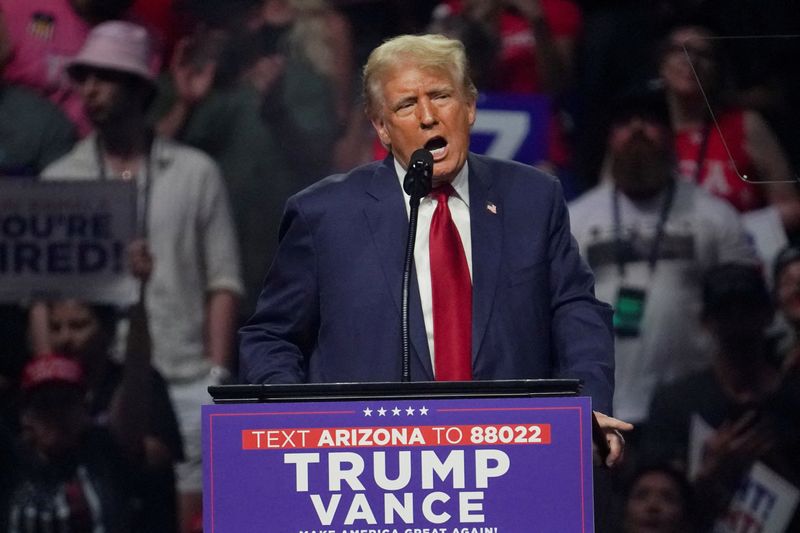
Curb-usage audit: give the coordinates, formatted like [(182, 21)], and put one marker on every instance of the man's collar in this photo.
[(650, 202), (460, 183), (162, 151)]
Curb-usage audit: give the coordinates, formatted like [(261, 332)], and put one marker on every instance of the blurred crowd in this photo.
[(674, 140)]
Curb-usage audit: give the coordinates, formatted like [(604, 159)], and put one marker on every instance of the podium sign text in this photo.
[(506, 465)]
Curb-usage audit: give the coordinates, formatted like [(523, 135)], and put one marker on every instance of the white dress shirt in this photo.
[(458, 204)]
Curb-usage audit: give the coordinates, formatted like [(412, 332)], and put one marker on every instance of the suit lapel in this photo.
[(388, 223), (486, 224)]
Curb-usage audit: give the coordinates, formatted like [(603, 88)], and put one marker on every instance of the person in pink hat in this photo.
[(184, 219), (111, 73)]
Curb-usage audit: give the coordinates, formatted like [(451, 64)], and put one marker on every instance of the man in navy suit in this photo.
[(330, 307)]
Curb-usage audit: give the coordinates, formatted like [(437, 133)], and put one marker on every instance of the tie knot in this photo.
[(442, 192)]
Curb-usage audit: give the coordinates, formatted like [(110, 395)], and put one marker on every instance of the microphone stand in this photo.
[(412, 237), (417, 184)]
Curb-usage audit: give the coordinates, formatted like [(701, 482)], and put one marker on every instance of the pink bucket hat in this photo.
[(116, 45)]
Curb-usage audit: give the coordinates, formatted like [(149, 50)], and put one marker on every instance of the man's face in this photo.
[(655, 505), (425, 109), (678, 71), (641, 156), (106, 94), (55, 431), (739, 330), (76, 332)]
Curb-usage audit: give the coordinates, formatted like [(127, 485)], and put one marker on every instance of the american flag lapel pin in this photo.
[(491, 208)]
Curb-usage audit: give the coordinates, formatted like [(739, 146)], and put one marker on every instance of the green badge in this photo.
[(629, 311)]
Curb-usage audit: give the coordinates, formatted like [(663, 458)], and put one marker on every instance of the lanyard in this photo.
[(619, 243), (702, 152), (142, 184)]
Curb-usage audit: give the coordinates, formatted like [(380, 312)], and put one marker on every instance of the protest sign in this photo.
[(65, 239), (764, 500)]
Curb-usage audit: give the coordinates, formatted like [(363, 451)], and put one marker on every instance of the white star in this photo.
[(381, 412), (367, 412), (423, 411), (396, 411), (410, 411)]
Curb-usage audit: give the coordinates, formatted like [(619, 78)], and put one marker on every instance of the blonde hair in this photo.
[(428, 52)]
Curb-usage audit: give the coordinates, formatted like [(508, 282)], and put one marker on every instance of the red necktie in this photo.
[(452, 295)]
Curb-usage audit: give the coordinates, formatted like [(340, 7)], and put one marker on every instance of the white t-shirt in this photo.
[(700, 232), (193, 242)]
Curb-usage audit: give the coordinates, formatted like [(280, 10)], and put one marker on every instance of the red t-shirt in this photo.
[(718, 173), (517, 70)]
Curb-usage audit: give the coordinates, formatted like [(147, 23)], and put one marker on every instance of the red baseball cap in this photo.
[(52, 369)]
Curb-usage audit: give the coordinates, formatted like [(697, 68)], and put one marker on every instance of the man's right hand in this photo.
[(611, 428), (140, 261)]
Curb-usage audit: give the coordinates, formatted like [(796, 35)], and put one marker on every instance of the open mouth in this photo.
[(436, 146)]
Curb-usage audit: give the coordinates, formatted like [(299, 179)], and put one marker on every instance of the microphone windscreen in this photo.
[(421, 155), (417, 182)]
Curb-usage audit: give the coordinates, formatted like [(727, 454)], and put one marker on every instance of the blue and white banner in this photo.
[(512, 126)]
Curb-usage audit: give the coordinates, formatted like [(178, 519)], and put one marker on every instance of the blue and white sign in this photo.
[(66, 239), (512, 126)]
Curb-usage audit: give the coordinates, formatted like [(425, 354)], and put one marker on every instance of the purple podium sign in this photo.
[(503, 465)]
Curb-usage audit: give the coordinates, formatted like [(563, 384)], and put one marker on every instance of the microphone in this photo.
[(417, 184)]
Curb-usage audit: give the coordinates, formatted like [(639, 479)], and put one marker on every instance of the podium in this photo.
[(464, 457)]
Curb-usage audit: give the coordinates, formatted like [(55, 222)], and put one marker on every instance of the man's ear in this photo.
[(472, 111), (380, 129)]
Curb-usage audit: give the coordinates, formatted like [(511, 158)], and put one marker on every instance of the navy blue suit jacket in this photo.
[(330, 307)]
